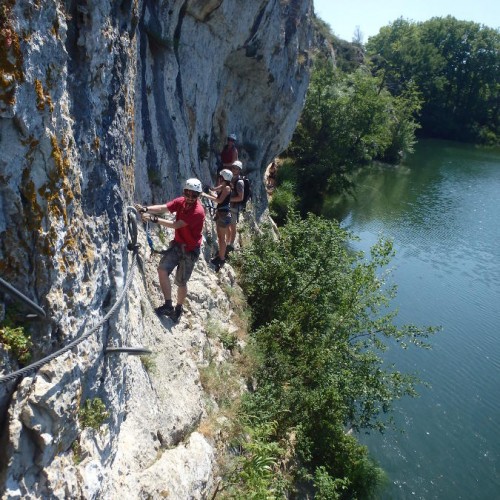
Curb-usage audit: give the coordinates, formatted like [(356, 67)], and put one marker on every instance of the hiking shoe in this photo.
[(165, 310), (215, 261), (176, 314), (229, 248), (219, 265)]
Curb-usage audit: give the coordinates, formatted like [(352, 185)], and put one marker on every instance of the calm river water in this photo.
[(442, 211)]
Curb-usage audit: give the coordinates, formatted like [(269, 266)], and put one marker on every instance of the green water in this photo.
[(442, 210)]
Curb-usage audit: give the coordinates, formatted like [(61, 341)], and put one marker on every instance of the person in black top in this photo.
[(238, 191), (223, 215)]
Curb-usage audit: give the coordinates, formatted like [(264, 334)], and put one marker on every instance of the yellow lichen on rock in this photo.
[(43, 97), (40, 96), (10, 56)]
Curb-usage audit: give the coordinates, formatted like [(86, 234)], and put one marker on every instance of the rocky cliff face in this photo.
[(102, 103)]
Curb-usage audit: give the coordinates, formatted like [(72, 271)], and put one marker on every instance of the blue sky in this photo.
[(371, 15)]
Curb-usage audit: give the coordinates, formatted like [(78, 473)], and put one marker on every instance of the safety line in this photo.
[(34, 366), (13, 291)]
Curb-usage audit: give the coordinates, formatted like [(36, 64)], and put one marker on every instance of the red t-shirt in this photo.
[(193, 216), (229, 155)]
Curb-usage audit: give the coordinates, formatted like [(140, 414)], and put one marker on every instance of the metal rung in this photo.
[(128, 350), (34, 307)]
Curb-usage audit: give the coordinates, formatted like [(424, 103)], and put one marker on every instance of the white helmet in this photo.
[(232, 137), (237, 164), (226, 174), (194, 185)]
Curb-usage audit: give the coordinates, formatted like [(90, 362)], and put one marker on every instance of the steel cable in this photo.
[(34, 366)]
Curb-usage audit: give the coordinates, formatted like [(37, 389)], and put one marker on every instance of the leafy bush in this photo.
[(17, 341), (348, 120), (321, 319), (229, 340), (93, 413), (282, 202), (326, 487), (256, 468)]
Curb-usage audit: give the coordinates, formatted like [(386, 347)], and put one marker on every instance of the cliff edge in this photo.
[(102, 104)]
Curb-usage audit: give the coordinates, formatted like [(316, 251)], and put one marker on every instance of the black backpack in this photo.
[(247, 193)]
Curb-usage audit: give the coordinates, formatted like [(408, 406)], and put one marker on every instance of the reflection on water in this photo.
[(442, 210)]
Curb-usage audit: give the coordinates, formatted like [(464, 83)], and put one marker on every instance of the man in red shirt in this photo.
[(229, 153), (184, 250)]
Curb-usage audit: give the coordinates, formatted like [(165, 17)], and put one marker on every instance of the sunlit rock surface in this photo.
[(102, 104)]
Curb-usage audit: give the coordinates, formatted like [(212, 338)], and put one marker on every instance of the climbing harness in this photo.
[(209, 205), (149, 239), (133, 246)]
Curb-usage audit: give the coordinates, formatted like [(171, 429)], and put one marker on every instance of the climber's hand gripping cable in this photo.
[(140, 208)]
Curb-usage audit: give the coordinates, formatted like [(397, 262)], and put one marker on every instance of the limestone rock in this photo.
[(102, 104)]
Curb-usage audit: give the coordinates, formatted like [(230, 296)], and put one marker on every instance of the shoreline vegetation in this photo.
[(321, 319)]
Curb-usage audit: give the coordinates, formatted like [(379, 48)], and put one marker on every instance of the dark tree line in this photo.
[(454, 64)]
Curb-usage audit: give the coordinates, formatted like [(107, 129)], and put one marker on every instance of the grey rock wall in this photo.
[(103, 103), (208, 69)]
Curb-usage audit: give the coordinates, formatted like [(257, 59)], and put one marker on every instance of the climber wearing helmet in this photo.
[(229, 153), (223, 215), (238, 191), (184, 250)]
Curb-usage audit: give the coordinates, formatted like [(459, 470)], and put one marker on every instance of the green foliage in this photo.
[(215, 329), (347, 121), (402, 125), (454, 64), (357, 472), (229, 340), (149, 363), (77, 452), (17, 341), (256, 473), (282, 202), (287, 172), (162, 236), (322, 319), (221, 382), (93, 413), (326, 487)]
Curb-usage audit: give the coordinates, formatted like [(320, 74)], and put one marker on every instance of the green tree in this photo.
[(402, 125), (321, 318), (347, 121), (455, 65)]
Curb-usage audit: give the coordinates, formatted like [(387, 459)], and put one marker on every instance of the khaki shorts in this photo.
[(235, 215), (185, 261), (223, 218)]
